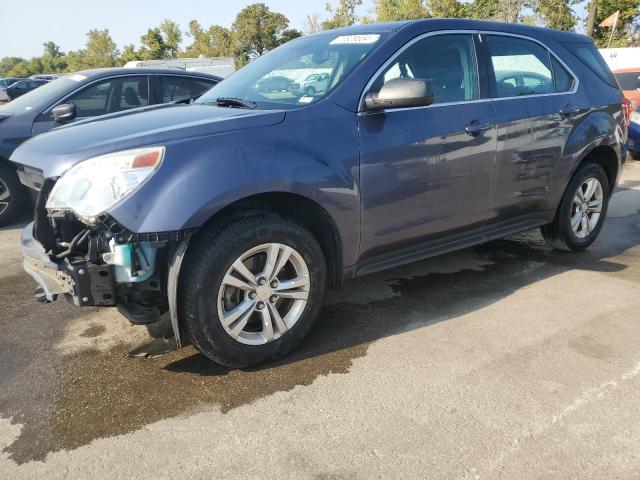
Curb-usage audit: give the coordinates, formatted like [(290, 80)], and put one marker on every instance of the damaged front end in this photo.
[(92, 260)]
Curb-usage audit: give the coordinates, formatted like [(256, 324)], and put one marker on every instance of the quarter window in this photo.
[(520, 67), (562, 80), (448, 62)]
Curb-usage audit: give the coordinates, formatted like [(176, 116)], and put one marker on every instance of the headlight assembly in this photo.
[(91, 187)]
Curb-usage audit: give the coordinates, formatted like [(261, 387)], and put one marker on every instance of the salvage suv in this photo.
[(230, 216)]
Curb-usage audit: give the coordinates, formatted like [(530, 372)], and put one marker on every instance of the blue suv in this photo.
[(227, 218)]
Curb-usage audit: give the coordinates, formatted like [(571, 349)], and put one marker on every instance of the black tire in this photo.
[(310, 91), (18, 199), (559, 233), (211, 254)]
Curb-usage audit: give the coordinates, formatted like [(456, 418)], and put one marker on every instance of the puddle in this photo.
[(78, 385)]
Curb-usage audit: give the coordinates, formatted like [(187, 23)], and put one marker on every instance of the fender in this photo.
[(598, 124), (316, 158)]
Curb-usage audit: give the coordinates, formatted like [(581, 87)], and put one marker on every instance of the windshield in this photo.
[(280, 79), (43, 96), (628, 80)]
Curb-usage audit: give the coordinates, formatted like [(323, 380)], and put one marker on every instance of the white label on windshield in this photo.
[(77, 77), (354, 39), (305, 99)]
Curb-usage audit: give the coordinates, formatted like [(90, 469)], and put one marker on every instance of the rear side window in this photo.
[(521, 67), (173, 89), (589, 55), (562, 79), (448, 62)]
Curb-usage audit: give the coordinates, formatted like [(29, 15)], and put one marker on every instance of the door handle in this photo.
[(475, 127)]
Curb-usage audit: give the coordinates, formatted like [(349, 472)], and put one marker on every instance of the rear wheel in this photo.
[(13, 195), (251, 289), (582, 211)]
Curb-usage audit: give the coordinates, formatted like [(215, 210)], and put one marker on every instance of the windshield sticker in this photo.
[(354, 40), (305, 99), (77, 77)]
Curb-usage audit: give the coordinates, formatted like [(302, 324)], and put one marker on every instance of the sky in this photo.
[(24, 27)]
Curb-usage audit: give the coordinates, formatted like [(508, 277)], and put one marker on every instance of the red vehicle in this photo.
[(629, 80)]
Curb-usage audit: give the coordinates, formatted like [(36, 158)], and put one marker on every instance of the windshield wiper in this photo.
[(236, 102)]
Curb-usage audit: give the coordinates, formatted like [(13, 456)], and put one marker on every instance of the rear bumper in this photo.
[(84, 283)]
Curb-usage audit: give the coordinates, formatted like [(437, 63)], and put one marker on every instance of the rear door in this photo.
[(427, 172), (535, 110)]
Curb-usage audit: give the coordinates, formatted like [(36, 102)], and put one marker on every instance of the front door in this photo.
[(427, 173)]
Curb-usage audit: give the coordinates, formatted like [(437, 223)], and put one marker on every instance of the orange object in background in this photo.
[(629, 80)]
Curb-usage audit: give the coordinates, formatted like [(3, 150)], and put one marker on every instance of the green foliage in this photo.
[(556, 14), (628, 15), (446, 9), (343, 15), (257, 30), (393, 10)]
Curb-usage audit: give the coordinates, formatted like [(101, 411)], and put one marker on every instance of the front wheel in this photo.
[(582, 210), (251, 289), (13, 196)]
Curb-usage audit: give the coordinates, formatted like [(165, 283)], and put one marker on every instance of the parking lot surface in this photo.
[(507, 360)]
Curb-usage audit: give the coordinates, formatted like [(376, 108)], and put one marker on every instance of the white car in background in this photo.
[(314, 83)]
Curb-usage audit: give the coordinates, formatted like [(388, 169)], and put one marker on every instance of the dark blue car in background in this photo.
[(227, 218), (78, 96)]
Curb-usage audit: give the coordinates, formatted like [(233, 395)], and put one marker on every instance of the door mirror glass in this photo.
[(64, 113), (401, 93)]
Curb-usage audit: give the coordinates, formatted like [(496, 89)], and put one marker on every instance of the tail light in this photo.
[(626, 110)]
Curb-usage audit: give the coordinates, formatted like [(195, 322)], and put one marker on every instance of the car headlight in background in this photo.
[(635, 117), (91, 187)]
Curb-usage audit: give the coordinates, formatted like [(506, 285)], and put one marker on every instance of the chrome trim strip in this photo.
[(576, 81)]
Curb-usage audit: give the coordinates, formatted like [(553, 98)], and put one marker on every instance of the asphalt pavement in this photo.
[(506, 360)]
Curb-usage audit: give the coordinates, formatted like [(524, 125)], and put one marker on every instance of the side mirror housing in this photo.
[(401, 93), (64, 113)]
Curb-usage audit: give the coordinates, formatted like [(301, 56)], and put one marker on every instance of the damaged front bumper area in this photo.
[(105, 265)]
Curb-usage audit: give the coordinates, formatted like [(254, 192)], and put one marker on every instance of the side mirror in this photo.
[(401, 93), (64, 113)]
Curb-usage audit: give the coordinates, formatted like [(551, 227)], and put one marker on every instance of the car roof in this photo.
[(432, 24), (108, 72)]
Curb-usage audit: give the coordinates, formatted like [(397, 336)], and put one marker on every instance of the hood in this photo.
[(56, 151)]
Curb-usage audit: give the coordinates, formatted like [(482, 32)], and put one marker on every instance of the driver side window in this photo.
[(447, 62)]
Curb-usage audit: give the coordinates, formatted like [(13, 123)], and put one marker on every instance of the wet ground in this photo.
[(504, 360)]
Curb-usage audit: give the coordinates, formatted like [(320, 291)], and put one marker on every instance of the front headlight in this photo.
[(635, 117), (91, 187)]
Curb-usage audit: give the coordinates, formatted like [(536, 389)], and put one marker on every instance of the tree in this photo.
[(556, 14), (51, 49), (446, 9), (215, 42), (172, 37), (129, 54), (152, 45), (256, 30), (7, 64), (628, 13), (312, 24), (393, 10), (343, 15), (100, 50)]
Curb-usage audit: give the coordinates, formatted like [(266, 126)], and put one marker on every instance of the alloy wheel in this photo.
[(263, 294), (5, 196), (586, 207)]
